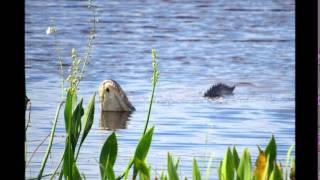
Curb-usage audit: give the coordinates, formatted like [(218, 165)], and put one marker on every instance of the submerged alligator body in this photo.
[(113, 98), (218, 90)]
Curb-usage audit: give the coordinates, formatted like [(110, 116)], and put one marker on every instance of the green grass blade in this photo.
[(126, 172), (60, 175), (142, 151), (144, 145), (163, 176), (88, 121), (271, 151), (109, 173), (155, 77), (195, 171), (75, 172), (83, 176), (288, 158), (67, 166), (76, 125), (236, 157), (293, 170), (209, 167), (276, 173), (45, 175), (172, 171), (74, 99), (265, 173), (68, 109), (108, 155), (55, 172), (177, 164), (219, 170), (227, 171), (244, 169), (142, 168), (53, 129)]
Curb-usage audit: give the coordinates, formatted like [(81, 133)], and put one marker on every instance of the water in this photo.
[(198, 43)]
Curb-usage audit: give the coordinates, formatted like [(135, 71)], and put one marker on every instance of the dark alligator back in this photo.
[(218, 90)]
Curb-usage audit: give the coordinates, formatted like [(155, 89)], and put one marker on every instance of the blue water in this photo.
[(198, 43)]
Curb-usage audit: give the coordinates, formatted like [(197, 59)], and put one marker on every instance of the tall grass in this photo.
[(138, 160), (74, 78)]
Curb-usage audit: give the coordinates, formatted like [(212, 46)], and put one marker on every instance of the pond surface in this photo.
[(198, 43)]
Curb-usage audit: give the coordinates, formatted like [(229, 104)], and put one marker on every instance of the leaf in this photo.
[(144, 171), (236, 158), (144, 145), (271, 151), (177, 164), (227, 170), (126, 172), (83, 176), (68, 109), (88, 121), (265, 173), (209, 167), (74, 98), (172, 171), (261, 164), (142, 151), (293, 170), (69, 167), (76, 124), (108, 156), (288, 158), (219, 170), (276, 173), (53, 129), (244, 169), (195, 171), (109, 173), (75, 172), (88, 118), (163, 176)]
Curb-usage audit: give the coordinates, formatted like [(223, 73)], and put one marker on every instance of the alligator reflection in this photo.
[(114, 120)]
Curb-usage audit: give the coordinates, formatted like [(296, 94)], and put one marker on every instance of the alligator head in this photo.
[(113, 98), (218, 90)]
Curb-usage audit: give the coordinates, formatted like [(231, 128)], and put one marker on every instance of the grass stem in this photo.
[(154, 82), (51, 141)]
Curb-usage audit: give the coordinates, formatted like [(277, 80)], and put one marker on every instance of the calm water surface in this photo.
[(198, 43)]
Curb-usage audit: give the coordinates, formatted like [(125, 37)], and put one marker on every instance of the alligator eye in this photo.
[(107, 89)]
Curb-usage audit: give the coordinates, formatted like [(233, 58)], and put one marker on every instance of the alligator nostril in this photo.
[(107, 89)]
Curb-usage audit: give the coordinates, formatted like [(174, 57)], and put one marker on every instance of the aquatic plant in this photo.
[(73, 113), (138, 160), (266, 166), (234, 168)]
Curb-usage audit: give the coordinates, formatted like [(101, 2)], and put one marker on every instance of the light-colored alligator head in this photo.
[(113, 98)]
